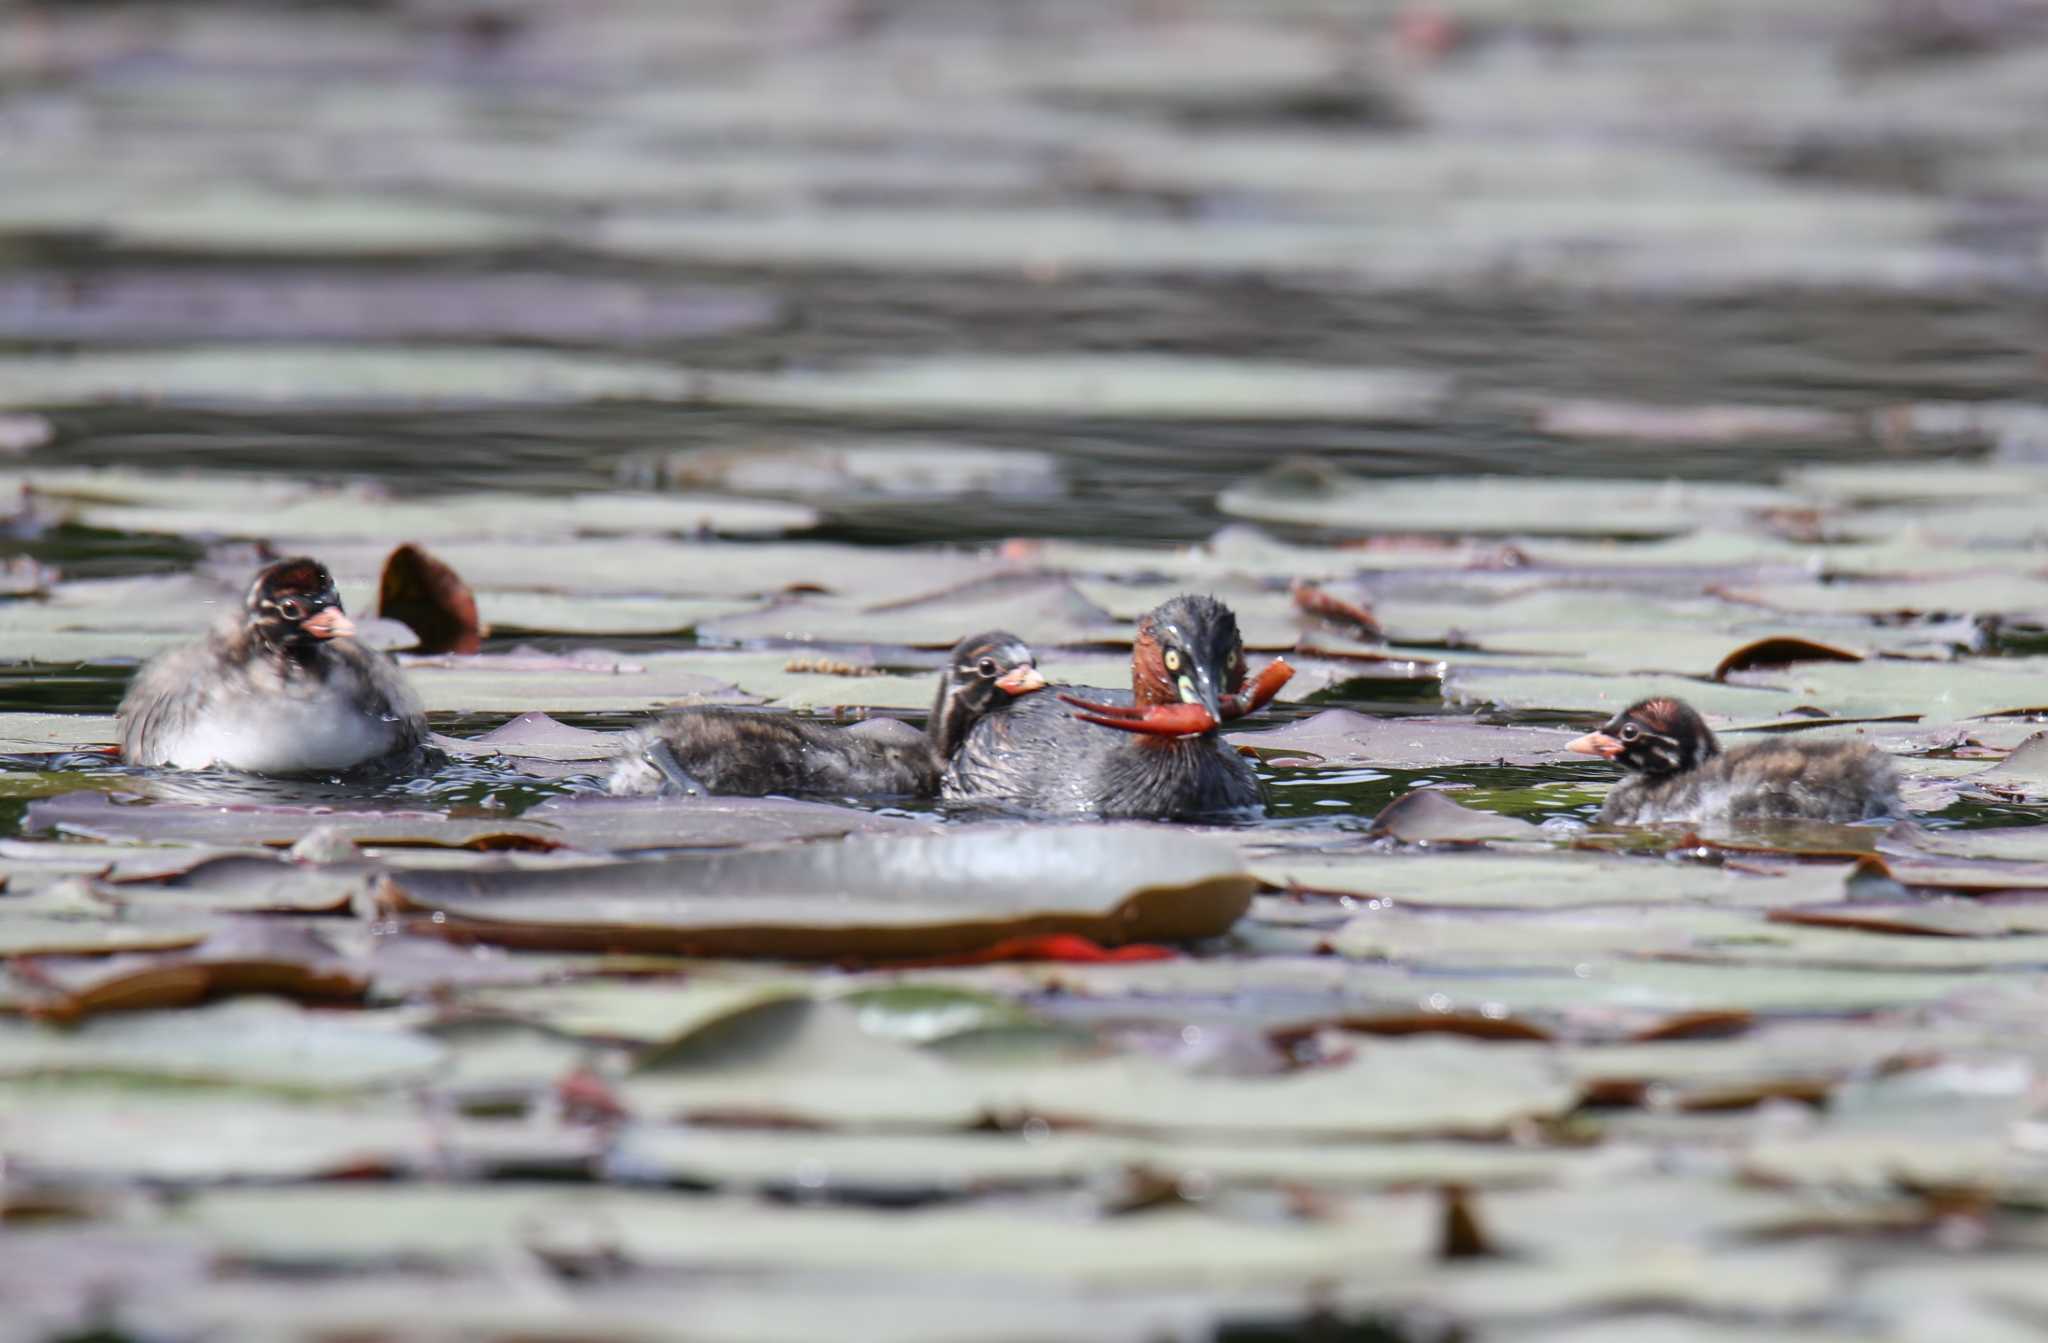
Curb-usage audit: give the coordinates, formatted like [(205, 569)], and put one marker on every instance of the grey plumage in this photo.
[(1039, 757), (1799, 780), (1677, 772), (279, 687), (747, 753)]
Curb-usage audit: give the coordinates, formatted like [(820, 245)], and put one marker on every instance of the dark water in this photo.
[(1157, 482)]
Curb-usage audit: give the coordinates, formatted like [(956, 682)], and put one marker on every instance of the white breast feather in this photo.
[(306, 733)]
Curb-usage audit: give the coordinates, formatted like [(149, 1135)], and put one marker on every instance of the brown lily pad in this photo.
[(431, 599), (1781, 650)]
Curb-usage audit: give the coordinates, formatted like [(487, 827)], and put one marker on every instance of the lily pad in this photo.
[(895, 897), (1724, 424), (228, 305), (1490, 504), (805, 1067), (1098, 386), (595, 823), (1346, 737), (894, 469), (1554, 881), (253, 1042), (236, 957), (1044, 610), (307, 515), (1432, 816), (356, 375)]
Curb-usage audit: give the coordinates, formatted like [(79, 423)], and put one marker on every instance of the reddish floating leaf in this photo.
[(431, 599)]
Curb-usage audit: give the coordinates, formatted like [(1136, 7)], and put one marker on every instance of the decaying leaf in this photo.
[(431, 599)]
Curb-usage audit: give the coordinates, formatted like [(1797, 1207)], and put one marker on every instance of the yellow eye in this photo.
[(1173, 659)]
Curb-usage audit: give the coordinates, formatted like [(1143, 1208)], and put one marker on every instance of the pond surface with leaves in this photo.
[(1498, 373)]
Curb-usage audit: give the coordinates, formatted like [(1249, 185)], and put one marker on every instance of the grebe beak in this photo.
[(1021, 680), (329, 624), (1596, 743)]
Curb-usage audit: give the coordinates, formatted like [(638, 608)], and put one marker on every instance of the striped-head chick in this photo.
[(1656, 738)]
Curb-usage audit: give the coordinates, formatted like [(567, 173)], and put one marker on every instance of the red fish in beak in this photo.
[(1180, 720)]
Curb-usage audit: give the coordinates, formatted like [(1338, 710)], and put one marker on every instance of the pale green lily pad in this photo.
[(1268, 618), (584, 682), (912, 895), (655, 1012), (358, 375), (306, 515), (1870, 1162), (186, 1138), (1595, 996), (1024, 242), (251, 1042), (1542, 617), (1239, 551), (598, 682), (1510, 688), (36, 733), (893, 469), (819, 1068), (1638, 422), (1988, 593), (595, 823), (965, 1164), (1345, 737), (1098, 386), (43, 936), (1442, 940), (603, 566), (591, 615), (243, 883), (239, 220), (1783, 1280), (2026, 843), (340, 1224), (1904, 481), (1492, 504), (1045, 611), (1938, 691), (1547, 881)]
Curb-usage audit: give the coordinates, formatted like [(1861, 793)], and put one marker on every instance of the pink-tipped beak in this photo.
[(1020, 681), (1595, 743), (329, 624)]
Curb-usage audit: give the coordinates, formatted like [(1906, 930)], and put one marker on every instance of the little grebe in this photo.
[(1677, 771), (735, 752), (1165, 758), (279, 687)]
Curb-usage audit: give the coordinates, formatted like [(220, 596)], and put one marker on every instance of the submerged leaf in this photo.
[(1431, 816)]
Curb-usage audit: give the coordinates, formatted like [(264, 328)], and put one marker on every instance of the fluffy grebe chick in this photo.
[(739, 752), (280, 686), (1677, 771)]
